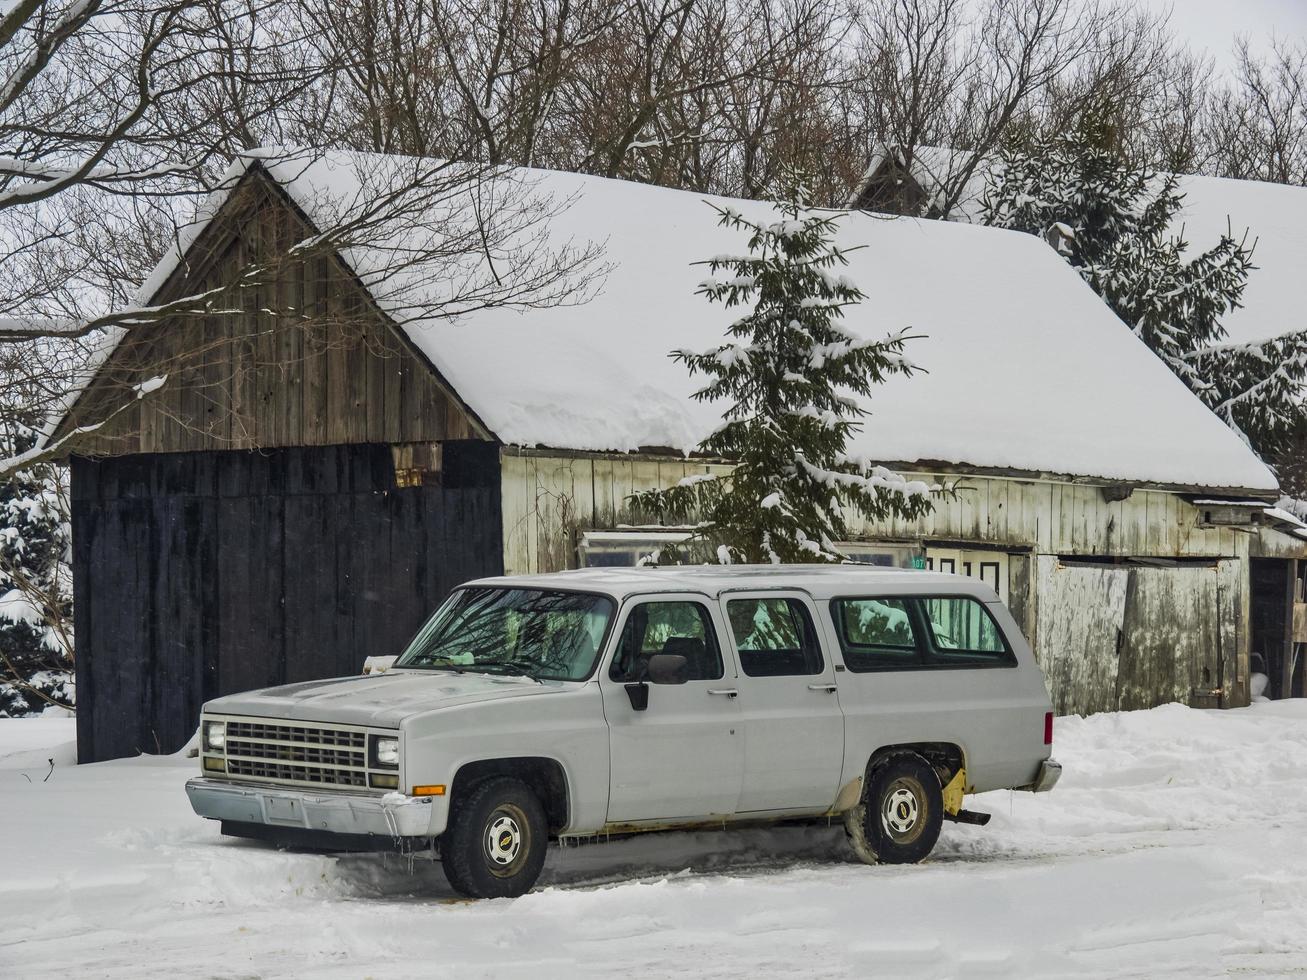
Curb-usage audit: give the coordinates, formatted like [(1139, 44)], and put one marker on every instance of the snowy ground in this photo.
[(1175, 846)]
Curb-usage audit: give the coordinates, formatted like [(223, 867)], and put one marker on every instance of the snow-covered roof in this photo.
[(1025, 368), (1274, 216)]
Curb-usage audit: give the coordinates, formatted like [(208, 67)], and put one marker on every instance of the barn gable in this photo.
[(308, 361)]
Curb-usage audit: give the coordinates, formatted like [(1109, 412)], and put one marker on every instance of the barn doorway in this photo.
[(1279, 625), (991, 567), (200, 574), (1124, 634)]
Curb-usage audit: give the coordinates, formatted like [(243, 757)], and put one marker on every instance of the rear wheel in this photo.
[(495, 844), (900, 815)]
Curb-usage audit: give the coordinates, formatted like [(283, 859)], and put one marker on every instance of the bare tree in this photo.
[(712, 95), (138, 111), (1173, 122), (1259, 121), (953, 74), (776, 109), (508, 61)]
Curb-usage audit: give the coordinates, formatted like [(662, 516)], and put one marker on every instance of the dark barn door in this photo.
[(200, 574)]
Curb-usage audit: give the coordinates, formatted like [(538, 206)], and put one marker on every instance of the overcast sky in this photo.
[(1213, 24)]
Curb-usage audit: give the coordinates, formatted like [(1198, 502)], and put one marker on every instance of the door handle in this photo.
[(729, 692), (828, 688)]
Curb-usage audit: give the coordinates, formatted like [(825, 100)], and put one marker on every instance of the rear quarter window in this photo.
[(910, 633), (963, 633)]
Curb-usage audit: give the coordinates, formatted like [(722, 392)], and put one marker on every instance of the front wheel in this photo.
[(495, 844), (900, 815)]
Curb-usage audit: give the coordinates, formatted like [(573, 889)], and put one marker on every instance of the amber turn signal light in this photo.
[(438, 790)]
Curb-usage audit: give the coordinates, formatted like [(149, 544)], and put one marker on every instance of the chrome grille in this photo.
[(297, 753), (294, 733), (295, 774)]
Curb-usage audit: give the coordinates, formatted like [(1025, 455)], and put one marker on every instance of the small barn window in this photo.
[(878, 553), (600, 549)]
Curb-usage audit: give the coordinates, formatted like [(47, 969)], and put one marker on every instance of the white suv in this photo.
[(621, 700)]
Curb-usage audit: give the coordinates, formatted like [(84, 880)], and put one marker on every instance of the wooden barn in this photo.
[(294, 500), (1272, 216)]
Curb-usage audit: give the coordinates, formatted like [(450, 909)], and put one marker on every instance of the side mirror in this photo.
[(668, 668), (662, 668)]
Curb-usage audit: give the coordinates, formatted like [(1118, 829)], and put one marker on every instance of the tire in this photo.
[(899, 817), (495, 844)]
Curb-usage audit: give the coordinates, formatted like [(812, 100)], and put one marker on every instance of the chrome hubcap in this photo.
[(503, 840), (899, 814)]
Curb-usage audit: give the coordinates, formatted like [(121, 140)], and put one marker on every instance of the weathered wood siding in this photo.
[(1270, 542), (1109, 636), (548, 498), (1063, 518), (306, 359), (199, 574), (1116, 638)]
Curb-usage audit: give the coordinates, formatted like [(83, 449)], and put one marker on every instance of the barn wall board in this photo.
[(200, 574), (1110, 635)]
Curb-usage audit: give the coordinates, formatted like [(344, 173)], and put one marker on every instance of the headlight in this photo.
[(215, 735), (385, 752)]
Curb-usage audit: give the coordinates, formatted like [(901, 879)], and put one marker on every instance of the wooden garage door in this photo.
[(1119, 637), (200, 574)]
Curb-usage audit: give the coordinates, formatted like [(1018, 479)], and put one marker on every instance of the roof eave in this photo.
[(933, 466)]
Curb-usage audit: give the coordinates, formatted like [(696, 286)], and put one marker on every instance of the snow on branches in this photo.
[(36, 643), (790, 374), (1114, 223)]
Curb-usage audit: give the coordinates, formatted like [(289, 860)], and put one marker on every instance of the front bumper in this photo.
[(1050, 771), (391, 816)]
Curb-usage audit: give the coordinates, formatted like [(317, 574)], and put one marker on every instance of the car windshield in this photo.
[(531, 632)]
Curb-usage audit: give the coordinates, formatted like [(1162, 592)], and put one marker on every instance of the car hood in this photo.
[(378, 700)]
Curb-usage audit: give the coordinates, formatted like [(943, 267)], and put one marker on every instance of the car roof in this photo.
[(821, 581)]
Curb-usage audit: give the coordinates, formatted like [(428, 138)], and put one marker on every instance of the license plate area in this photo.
[(283, 811)]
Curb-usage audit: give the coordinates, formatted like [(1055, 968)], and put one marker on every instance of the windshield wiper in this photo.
[(436, 665), (516, 668)]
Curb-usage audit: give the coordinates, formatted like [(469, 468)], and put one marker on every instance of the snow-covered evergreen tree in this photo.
[(35, 584), (788, 373), (1115, 223)]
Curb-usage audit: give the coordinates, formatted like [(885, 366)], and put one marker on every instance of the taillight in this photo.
[(1048, 728)]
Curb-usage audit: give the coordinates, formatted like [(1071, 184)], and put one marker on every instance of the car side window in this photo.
[(962, 633), (877, 634), (678, 627), (775, 637)]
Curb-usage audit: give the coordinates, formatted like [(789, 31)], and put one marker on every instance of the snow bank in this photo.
[(1172, 848), (27, 743)]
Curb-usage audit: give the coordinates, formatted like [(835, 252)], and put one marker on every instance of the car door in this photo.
[(681, 757), (793, 725)]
